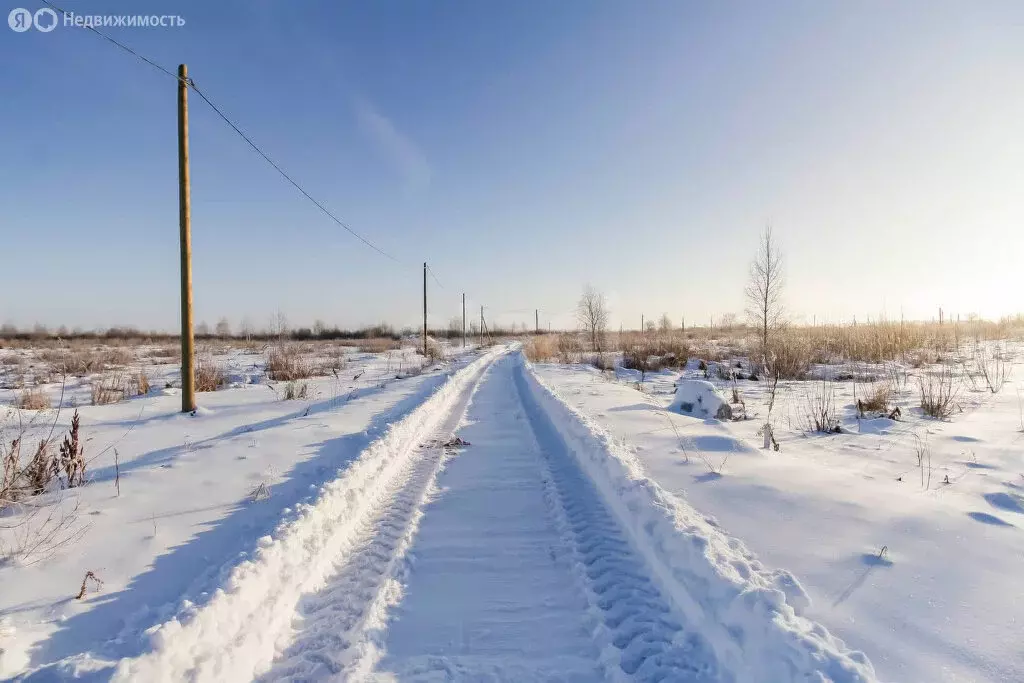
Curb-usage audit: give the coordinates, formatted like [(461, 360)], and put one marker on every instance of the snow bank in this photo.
[(748, 614), (236, 634), (700, 398)]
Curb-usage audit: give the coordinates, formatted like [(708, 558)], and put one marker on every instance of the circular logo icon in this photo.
[(20, 19), (46, 20)]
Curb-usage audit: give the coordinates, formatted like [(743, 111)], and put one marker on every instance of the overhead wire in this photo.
[(189, 82)]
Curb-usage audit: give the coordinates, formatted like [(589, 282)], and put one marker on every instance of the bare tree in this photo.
[(223, 328), (246, 329), (665, 323), (592, 314), (279, 325), (764, 291)]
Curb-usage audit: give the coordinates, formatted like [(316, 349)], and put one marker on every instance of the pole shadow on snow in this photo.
[(871, 561), (114, 627)]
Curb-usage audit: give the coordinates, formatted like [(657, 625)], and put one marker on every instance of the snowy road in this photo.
[(516, 572), (532, 552)]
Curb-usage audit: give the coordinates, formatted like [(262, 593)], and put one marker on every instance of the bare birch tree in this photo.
[(592, 314), (764, 291)]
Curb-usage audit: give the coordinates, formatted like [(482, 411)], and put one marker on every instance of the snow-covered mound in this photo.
[(699, 398)]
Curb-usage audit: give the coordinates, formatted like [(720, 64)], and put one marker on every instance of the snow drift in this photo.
[(749, 615)]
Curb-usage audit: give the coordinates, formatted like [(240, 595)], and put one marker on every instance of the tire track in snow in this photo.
[(333, 624), (481, 588), (648, 642), (235, 635), (334, 628)]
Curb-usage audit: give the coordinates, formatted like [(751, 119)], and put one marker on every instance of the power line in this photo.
[(120, 45), (191, 83), (288, 177), (234, 127), (431, 271)]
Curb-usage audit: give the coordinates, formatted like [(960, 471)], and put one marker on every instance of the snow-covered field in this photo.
[(917, 566), (489, 519)]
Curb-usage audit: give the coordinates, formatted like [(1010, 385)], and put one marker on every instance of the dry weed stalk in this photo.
[(33, 399), (820, 408), (285, 363), (72, 460), (938, 392), (85, 581), (208, 376), (296, 391)]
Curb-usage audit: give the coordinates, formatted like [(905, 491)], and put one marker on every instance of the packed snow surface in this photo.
[(484, 530)]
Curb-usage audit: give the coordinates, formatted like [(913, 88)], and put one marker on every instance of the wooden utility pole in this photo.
[(463, 320), (424, 309), (536, 321), (481, 321), (188, 385)]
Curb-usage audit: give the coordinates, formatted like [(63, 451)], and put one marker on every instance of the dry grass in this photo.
[(434, 350), (570, 348), (820, 409), (541, 349), (165, 355), (117, 386), (376, 345), (296, 391), (797, 346), (651, 352), (33, 399), (286, 363), (209, 377), (993, 367), (109, 389), (21, 479), (876, 399), (791, 355), (85, 361), (939, 390)]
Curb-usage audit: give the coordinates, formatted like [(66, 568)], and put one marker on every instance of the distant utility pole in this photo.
[(188, 385), (481, 321), (424, 309), (463, 320), (536, 321), (641, 323)]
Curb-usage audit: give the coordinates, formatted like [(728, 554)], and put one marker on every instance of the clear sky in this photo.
[(524, 149)]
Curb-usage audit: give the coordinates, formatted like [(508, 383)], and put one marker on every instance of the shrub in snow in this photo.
[(33, 399), (700, 398), (434, 350), (938, 393), (820, 410)]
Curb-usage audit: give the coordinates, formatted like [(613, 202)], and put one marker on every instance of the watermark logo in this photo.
[(20, 19), (46, 19)]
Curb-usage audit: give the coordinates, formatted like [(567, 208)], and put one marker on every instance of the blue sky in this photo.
[(524, 149)]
